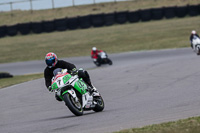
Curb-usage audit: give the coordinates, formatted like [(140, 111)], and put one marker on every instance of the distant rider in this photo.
[(52, 63), (95, 53), (192, 36)]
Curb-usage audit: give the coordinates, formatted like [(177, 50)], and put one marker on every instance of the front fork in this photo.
[(87, 99), (58, 93), (71, 92)]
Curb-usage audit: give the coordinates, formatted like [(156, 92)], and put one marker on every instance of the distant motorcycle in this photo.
[(102, 59), (75, 93), (196, 45)]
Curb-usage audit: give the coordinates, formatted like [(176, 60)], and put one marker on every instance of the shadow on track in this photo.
[(64, 117)]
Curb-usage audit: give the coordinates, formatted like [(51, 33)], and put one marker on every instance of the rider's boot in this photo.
[(93, 90)]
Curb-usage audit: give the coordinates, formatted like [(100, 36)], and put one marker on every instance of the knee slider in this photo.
[(83, 74)]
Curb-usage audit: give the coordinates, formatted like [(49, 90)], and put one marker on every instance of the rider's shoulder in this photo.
[(61, 62), (47, 70)]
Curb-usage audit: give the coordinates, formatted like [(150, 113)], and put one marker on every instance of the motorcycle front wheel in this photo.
[(74, 106), (97, 63)]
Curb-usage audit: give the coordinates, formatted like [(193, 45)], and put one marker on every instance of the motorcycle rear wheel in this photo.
[(110, 62), (198, 53), (97, 64), (100, 104), (74, 107)]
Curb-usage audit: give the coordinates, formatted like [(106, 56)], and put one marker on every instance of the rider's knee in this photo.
[(83, 74)]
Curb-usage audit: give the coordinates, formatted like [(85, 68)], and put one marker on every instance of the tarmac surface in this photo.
[(140, 88)]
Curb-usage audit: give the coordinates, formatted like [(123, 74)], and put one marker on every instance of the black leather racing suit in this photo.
[(48, 72)]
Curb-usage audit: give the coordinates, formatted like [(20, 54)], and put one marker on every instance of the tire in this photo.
[(97, 64), (110, 62), (198, 53), (70, 103), (100, 104)]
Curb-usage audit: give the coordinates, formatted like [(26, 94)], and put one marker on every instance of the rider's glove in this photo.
[(74, 71), (50, 89)]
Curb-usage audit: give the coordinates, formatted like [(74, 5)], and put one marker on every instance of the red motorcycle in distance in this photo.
[(102, 59)]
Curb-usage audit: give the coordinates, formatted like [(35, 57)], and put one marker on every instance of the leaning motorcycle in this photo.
[(196, 45), (102, 59), (75, 93)]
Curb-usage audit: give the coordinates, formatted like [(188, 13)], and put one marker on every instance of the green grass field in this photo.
[(5, 82), (190, 125), (172, 33)]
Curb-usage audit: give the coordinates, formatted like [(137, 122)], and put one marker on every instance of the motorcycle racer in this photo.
[(193, 35), (75, 93), (95, 53), (52, 63), (100, 57)]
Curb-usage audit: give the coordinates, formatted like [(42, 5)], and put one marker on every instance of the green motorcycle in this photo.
[(75, 93)]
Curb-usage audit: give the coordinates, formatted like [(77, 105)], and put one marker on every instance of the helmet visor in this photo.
[(50, 62)]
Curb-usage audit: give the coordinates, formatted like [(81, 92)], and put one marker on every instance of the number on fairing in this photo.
[(59, 81), (80, 84)]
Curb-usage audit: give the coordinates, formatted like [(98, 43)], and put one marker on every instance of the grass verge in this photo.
[(190, 125), (167, 33), (5, 82)]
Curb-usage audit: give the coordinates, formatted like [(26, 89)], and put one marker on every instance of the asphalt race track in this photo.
[(140, 88)]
